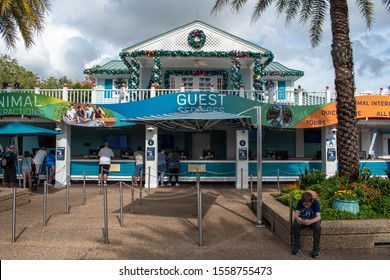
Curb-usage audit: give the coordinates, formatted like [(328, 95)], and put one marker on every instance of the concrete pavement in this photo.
[(163, 227)]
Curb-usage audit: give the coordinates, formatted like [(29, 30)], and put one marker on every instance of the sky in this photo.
[(80, 34)]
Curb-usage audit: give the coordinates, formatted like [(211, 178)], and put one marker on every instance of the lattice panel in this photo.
[(215, 41)]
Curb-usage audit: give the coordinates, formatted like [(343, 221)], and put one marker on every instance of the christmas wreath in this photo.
[(196, 38)]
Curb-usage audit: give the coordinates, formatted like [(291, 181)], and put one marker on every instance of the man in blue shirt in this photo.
[(307, 214)]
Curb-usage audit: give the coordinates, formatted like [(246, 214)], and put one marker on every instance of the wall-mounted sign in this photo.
[(150, 153), (60, 153)]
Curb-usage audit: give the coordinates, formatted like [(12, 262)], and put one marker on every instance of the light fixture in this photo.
[(150, 128), (58, 129)]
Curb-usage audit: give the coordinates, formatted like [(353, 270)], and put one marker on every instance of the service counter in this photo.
[(210, 170)]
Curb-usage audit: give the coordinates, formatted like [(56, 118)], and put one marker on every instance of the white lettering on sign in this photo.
[(204, 101)]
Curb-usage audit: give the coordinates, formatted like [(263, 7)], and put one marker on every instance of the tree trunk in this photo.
[(347, 132)]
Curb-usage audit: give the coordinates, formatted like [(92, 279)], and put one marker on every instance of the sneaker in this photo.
[(296, 249), (315, 253), (99, 182), (169, 184), (105, 184), (177, 184)]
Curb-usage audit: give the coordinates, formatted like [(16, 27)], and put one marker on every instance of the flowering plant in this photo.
[(345, 195)]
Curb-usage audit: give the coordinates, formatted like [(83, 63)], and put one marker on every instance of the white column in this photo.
[(63, 152), (242, 163), (300, 96), (365, 141), (152, 91), (329, 161), (36, 89), (93, 94), (151, 154), (9, 87), (65, 92), (328, 96)]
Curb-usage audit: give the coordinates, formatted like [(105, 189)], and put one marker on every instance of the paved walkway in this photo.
[(163, 227)]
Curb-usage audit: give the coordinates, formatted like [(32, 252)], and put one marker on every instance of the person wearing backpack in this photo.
[(139, 165), (8, 163)]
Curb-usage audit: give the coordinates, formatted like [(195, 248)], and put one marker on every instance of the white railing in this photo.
[(113, 96)]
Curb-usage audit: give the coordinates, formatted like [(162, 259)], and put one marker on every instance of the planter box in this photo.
[(334, 234)]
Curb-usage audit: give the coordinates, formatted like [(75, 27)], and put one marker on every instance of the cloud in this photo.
[(80, 34)]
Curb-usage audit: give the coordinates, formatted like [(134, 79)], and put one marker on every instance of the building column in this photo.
[(151, 154), (63, 159), (242, 163)]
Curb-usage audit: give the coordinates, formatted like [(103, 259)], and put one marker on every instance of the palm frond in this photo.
[(292, 10), (387, 4), (317, 21), (260, 7), (237, 5), (219, 4), (306, 11), (366, 8)]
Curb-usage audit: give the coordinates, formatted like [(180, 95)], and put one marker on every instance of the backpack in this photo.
[(6, 162)]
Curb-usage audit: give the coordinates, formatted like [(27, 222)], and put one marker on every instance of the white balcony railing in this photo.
[(108, 96)]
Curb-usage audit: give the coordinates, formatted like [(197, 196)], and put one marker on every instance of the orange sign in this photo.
[(372, 107)]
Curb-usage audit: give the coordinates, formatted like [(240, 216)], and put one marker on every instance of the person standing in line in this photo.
[(105, 156), (27, 168), (9, 163), (307, 214), (39, 157), (50, 164), (139, 165), (173, 166), (162, 166)]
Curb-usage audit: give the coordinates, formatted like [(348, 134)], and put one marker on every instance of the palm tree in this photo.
[(25, 16), (341, 52)]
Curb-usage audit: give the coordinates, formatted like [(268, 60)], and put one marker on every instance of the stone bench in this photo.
[(334, 234), (22, 197)]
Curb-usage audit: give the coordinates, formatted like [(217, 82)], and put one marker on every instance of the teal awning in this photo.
[(199, 121)]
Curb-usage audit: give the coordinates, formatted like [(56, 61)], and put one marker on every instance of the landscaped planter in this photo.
[(340, 234)]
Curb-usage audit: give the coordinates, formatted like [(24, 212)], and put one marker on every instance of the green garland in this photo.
[(196, 38), (257, 75), (235, 79), (155, 53), (156, 71), (134, 73), (222, 73)]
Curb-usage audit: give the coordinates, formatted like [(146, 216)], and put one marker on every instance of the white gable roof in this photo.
[(177, 40)]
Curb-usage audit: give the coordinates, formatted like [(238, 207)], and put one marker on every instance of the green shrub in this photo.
[(373, 194)]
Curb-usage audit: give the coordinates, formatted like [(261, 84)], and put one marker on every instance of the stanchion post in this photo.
[(149, 179), (47, 175), (277, 173), (200, 221), (132, 200), (121, 202), (105, 215), (84, 198), (101, 181), (251, 191), (44, 203), (13, 214), (67, 196), (242, 179), (140, 188), (290, 239)]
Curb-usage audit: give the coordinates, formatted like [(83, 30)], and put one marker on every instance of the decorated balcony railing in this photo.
[(112, 96)]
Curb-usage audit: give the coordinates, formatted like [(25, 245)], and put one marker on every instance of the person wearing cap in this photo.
[(9, 174), (105, 155)]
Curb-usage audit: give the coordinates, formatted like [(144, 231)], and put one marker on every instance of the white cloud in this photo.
[(80, 34)]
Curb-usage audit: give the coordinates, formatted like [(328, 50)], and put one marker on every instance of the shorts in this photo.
[(105, 167), (138, 169)]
